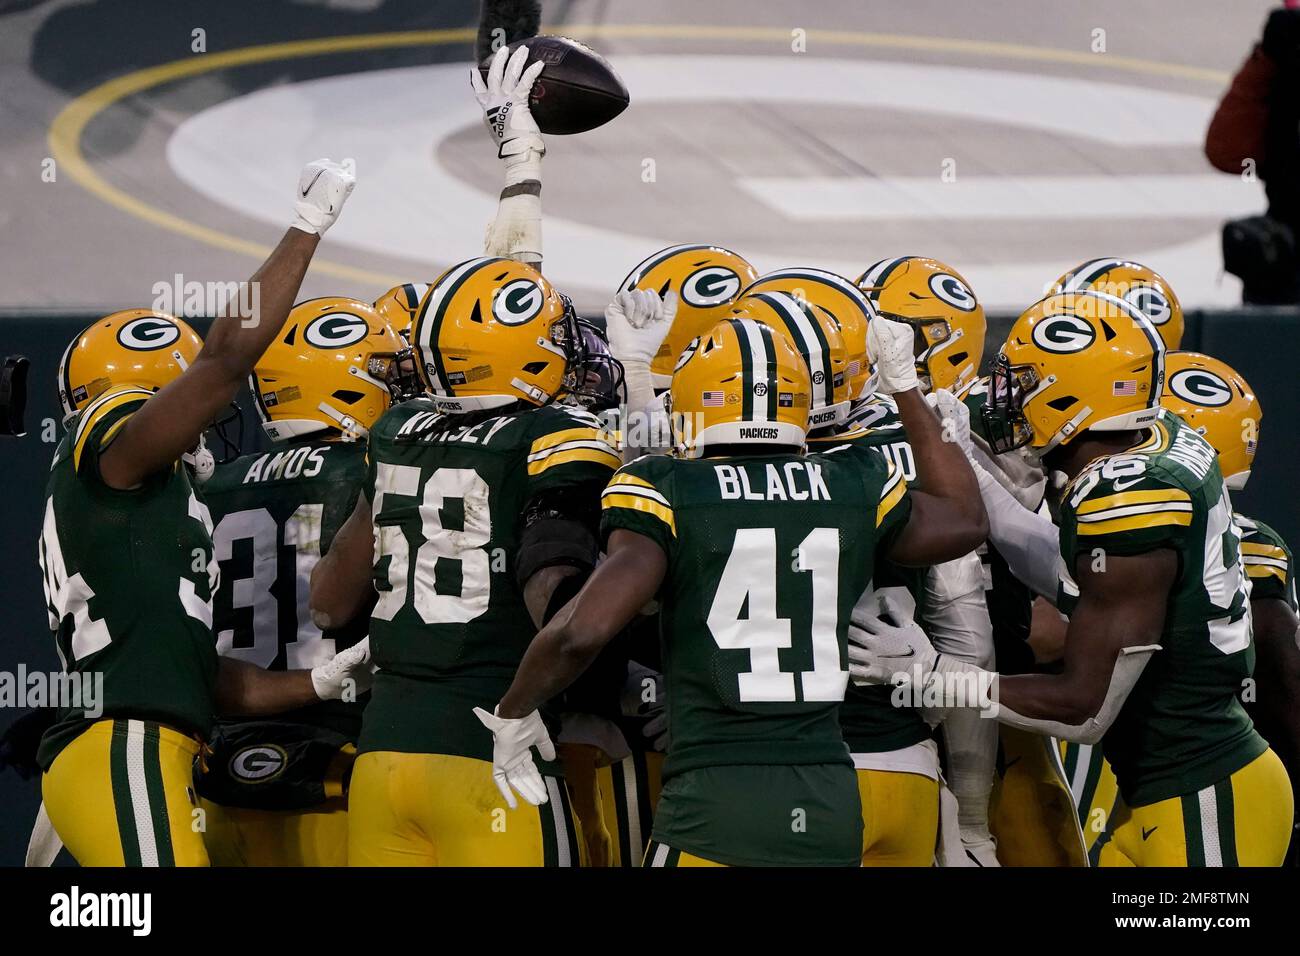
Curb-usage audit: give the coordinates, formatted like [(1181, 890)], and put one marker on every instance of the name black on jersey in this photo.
[(767, 557)]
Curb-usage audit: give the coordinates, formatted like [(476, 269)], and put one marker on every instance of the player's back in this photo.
[(448, 498), (127, 583), (1182, 727), (274, 514), (767, 557)]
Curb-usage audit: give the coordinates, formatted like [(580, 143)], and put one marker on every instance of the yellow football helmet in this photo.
[(1214, 399), (947, 320), (1136, 285), (492, 332), (815, 335), (330, 367), (851, 310), (707, 279), (740, 383), (136, 347), (1074, 362), (399, 306)]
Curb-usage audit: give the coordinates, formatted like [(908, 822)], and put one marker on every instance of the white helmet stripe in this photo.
[(757, 360), (1087, 274), (424, 341), (809, 345)]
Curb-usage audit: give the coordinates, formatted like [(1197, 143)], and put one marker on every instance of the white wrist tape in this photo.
[(1130, 664)]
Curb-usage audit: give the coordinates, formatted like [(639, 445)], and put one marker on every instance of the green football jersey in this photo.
[(766, 558), (869, 719), (450, 625), (1182, 728), (128, 580), (1268, 562), (274, 514)]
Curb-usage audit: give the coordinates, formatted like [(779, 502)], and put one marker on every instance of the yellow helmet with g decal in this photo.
[(492, 332), (707, 279)]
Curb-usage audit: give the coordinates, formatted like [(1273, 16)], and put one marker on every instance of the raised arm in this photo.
[(516, 232), (172, 421), (948, 518)]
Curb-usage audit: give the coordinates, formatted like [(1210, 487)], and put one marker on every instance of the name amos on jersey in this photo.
[(794, 481), (302, 462)]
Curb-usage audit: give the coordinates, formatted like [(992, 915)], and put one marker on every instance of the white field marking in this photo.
[(409, 206), (1006, 198)]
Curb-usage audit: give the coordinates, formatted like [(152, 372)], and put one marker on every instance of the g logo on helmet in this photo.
[(1200, 387), (517, 302), (1151, 302), (336, 330), (710, 286), (258, 764), (1063, 334), (148, 334), (948, 288)]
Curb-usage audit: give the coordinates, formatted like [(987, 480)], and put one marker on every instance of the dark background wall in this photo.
[(1261, 344)]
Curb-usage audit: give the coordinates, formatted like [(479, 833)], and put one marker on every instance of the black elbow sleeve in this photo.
[(559, 531)]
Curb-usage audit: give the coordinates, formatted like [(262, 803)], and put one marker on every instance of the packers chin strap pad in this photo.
[(560, 531)]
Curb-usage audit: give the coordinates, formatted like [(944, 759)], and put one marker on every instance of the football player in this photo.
[(478, 517), (1216, 400), (1137, 285), (896, 762), (948, 328), (129, 567), (1150, 575), (757, 555), (276, 790)]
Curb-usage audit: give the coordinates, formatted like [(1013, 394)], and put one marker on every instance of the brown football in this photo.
[(577, 90)]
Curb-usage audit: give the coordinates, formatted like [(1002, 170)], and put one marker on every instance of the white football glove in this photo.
[(513, 768), (346, 670), (889, 348), (637, 323), (323, 187), (510, 123), (954, 417), (882, 652)]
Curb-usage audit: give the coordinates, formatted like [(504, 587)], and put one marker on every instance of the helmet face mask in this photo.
[(598, 378), (1003, 413)]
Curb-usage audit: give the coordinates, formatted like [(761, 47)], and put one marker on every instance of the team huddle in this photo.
[(759, 571)]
